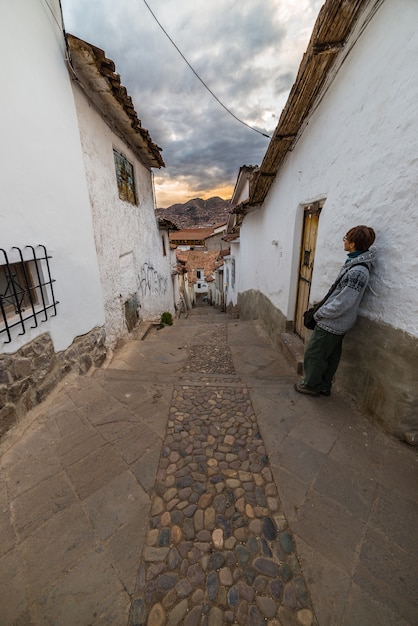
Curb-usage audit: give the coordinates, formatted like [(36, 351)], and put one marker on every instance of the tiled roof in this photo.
[(230, 237), (194, 260), (182, 255), (96, 76), (164, 224), (191, 234)]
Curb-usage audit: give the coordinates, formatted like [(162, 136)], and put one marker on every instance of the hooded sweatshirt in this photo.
[(339, 313)]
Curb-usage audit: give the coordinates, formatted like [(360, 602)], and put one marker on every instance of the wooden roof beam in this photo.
[(327, 47)]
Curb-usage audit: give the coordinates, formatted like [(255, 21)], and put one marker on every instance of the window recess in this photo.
[(26, 289), (125, 178)]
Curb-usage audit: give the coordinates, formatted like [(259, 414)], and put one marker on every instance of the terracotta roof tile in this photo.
[(194, 260), (97, 77), (191, 234)]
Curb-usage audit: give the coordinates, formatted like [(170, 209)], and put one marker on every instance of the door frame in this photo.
[(309, 233)]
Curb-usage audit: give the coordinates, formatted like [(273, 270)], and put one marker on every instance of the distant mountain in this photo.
[(197, 213)]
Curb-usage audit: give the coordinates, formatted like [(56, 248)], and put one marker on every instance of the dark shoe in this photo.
[(301, 388), (325, 392)]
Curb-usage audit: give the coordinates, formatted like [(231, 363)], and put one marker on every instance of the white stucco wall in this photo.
[(43, 192), (242, 196), (232, 286), (236, 254), (242, 187), (359, 153), (128, 242)]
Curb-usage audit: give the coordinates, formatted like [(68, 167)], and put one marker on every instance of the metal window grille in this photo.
[(26, 289)]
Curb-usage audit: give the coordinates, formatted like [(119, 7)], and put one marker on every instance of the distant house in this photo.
[(81, 258), (199, 238), (201, 252), (165, 227), (215, 242), (241, 191), (344, 153), (198, 268), (239, 197), (191, 238)]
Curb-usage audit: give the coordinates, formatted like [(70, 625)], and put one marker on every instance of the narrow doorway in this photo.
[(307, 256)]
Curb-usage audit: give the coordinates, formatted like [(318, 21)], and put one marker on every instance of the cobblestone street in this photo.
[(218, 550), (187, 483)]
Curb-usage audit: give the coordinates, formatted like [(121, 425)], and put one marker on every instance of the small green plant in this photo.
[(166, 318)]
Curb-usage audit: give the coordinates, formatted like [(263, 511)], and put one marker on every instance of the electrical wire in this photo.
[(201, 80), (53, 14)]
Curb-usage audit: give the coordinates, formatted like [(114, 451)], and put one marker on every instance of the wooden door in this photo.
[(306, 263)]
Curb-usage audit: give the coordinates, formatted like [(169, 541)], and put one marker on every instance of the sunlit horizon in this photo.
[(169, 193)]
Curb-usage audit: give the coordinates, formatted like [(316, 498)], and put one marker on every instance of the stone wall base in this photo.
[(378, 368), (254, 305), (29, 375), (233, 310)]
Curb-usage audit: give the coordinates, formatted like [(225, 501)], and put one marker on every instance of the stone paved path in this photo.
[(218, 549), (145, 493)]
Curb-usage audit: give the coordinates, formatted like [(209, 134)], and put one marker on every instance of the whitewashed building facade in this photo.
[(345, 153), (133, 260), (239, 196), (72, 254)]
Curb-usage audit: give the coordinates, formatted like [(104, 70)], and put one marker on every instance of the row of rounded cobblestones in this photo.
[(211, 355), (217, 550), (218, 360)]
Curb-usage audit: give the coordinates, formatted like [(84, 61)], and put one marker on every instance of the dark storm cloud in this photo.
[(212, 153), (237, 50)]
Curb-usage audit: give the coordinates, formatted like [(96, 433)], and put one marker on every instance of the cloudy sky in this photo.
[(246, 51)]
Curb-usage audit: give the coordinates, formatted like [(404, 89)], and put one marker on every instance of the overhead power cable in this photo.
[(53, 14), (201, 80)]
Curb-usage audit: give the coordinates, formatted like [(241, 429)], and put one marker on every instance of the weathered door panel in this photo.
[(306, 263)]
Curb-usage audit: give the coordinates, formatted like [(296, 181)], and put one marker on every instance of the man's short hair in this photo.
[(362, 236)]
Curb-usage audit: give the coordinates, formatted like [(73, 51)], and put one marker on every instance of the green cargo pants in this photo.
[(321, 359)]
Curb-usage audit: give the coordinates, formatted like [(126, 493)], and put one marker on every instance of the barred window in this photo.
[(125, 178), (17, 287), (26, 289)]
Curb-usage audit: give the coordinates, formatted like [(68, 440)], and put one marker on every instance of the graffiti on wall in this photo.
[(151, 282)]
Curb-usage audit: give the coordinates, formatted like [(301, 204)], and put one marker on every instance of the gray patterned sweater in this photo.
[(339, 313)]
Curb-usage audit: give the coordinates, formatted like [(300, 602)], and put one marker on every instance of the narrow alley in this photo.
[(185, 482)]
